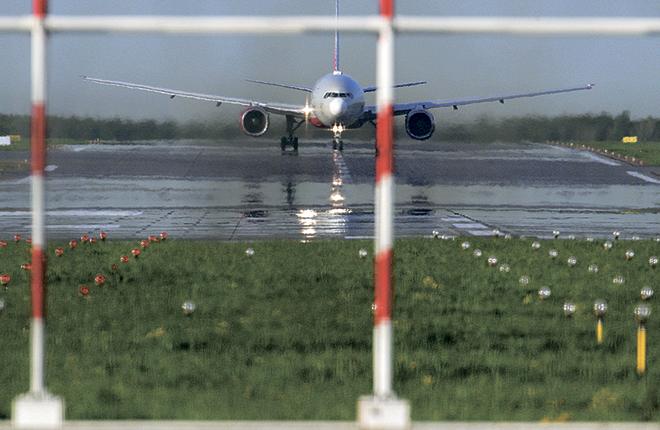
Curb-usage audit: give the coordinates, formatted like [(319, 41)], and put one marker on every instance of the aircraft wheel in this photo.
[(341, 145), (295, 144)]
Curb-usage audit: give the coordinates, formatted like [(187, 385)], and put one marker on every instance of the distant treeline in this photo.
[(587, 127)]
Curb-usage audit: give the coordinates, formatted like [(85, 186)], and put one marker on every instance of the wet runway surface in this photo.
[(247, 189)]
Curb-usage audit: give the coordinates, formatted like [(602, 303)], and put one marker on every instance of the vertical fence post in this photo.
[(37, 408), (383, 410)]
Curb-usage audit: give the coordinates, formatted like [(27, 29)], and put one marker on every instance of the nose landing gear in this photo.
[(337, 143)]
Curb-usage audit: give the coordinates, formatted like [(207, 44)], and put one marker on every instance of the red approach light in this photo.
[(99, 280), (136, 252), (73, 244), (5, 279), (60, 251), (114, 267), (124, 258), (103, 235), (153, 238), (163, 235), (84, 290), (144, 244), (84, 238), (92, 240), (26, 266), (17, 238), (3, 244)]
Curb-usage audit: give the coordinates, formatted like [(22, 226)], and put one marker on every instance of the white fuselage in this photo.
[(337, 101)]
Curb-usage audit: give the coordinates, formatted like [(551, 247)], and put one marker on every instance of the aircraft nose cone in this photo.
[(337, 107)]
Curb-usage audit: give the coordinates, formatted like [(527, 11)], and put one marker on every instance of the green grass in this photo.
[(648, 152), (286, 334)]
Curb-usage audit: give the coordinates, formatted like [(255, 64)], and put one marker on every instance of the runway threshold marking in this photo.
[(643, 177)]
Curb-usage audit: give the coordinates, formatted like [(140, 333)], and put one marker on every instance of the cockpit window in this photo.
[(334, 95)]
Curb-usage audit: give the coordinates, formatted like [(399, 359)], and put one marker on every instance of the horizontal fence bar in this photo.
[(515, 26)]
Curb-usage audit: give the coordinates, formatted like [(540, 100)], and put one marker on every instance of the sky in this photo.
[(626, 70)]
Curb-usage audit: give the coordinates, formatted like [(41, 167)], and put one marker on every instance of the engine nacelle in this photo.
[(254, 121), (420, 124)]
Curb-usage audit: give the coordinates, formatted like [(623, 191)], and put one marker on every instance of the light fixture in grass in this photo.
[(477, 253), (103, 235), (26, 266), (83, 290), (646, 293), (555, 234), (73, 244), (572, 261), (362, 253), (642, 313), (616, 234), (492, 261), (618, 280), (17, 238), (3, 244), (59, 252), (164, 235), (544, 293), (630, 254), (465, 245), (135, 252), (524, 280), (99, 280), (249, 252), (593, 268), (188, 307), (653, 261), (124, 259), (553, 253), (5, 279), (536, 245), (569, 309), (84, 238), (144, 244), (607, 245)]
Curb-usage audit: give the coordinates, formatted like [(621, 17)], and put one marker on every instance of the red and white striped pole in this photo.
[(37, 408), (38, 149), (384, 210)]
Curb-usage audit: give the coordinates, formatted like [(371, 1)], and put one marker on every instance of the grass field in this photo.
[(286, 333), (648, 152)]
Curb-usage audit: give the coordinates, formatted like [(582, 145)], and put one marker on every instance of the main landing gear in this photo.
[(290, 140)]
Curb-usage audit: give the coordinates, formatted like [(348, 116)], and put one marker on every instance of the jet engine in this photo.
[(420, 124), (254, 121)]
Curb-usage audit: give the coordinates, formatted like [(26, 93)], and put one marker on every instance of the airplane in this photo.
[(336, 102)]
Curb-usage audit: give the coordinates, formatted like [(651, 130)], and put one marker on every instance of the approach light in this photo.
[(571, 237), (572, 261), (589, 239), (477, 252), (646, 293), (553, 253), (616, 234), (492, 261), (630, 254), (544, 293), (569, 309), (497, 232), (536, 245), (465, 245), (508, 236), (435, 234), (555, 234), (504, 268), (59, 252), (188, 307), (600, 308), (607, 245), (635, 238), (362, 253), (593, 268), (642, 313), (249, 252), (524, 280), (653, 261), (618, 280)]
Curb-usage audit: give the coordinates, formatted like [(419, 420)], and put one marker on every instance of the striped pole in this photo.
[(38, 149), (384, 193)]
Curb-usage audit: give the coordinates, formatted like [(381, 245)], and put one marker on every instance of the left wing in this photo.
[(404, 108), (276, 108)]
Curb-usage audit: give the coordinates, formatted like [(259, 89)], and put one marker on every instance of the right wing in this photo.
[(372, 88), (276, 108)]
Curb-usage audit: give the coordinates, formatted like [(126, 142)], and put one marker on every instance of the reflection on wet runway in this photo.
[(246, 190)]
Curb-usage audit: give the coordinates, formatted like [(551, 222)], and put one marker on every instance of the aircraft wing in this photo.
[(276, 108), (404, 108)]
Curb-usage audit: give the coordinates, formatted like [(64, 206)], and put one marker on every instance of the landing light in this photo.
[(307, 213)]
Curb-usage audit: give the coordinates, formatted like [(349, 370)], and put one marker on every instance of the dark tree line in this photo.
[(588, 127)]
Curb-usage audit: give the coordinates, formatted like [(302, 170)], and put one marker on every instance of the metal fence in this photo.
[(37, 408)]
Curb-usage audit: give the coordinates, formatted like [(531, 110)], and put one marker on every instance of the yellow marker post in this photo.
[(641, 349), (629, 139), (600, 308), (642, 313)]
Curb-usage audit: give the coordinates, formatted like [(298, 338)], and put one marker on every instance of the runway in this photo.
[(242, 190)]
